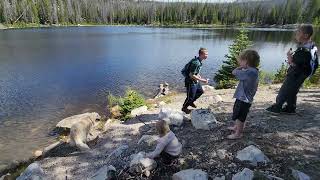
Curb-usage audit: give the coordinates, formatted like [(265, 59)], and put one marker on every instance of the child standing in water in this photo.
[(168, 147), (248, 76)]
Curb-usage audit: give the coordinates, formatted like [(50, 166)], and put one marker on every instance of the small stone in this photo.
[(253, 155), (139, 111), (203, 119), (140, 163), (298, 175), (190, 174), (222, 153), (220, 178), (245, 174)]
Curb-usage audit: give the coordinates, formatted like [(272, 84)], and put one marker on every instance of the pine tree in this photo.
[(224, 77)]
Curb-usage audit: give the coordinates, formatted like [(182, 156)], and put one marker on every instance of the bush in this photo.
[(280, 74), (130, 101), (224, 77), (265, 77)]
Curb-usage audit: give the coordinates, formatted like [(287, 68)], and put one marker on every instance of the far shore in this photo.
[(217, 26)]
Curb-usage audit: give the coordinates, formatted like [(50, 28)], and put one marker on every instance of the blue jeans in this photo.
[(194, 91)]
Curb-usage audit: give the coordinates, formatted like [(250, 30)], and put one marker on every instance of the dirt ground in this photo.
[(289, 141)]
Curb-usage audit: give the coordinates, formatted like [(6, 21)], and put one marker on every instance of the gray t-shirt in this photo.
[(248, 85)]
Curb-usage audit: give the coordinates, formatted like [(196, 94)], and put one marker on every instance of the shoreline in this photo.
[(211, 26)]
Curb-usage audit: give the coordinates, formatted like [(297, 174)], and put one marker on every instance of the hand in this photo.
[(206, 81), (289, 56)]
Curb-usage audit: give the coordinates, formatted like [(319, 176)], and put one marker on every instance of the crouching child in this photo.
[(168, 146)]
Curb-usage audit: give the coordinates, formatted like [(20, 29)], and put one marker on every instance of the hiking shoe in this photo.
[(186, 110), (273, 109), (193, 105), (287, 110)]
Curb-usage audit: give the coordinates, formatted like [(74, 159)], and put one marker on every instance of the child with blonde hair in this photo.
[(168, 146), (248, 76)]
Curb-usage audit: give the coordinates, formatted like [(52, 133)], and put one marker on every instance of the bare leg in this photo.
[(238, 131)]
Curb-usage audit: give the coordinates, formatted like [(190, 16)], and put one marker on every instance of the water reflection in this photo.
[(49, 74)]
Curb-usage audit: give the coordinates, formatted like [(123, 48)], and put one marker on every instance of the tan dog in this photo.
[(79, 131)]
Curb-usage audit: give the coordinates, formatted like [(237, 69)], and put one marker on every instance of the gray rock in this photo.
[(222, 153), (68, 122), (298, 175), (33, 172), (117, 152), (190, 174), (149, 139), (317, 117), (172, 116), (220, 178), (141, 164), (253, 155), (2, 26), (207, 88), (104, 173), (245, 174), (138, 111), (203, 119)]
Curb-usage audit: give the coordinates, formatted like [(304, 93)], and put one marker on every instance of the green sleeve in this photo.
[(194, 68)]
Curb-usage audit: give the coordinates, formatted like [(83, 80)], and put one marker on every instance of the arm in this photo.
[(198, 78), (157, 151), (241, 74), (192, 74)]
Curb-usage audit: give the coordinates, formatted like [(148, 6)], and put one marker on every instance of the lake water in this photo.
[(52, 73)]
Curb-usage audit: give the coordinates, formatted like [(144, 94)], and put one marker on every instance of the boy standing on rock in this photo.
[(248, 76), (301, 66), (193, 79)]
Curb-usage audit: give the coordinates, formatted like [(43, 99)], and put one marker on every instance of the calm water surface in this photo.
[(49, 74)]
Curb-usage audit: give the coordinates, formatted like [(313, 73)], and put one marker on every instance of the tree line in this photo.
[(162, 13)]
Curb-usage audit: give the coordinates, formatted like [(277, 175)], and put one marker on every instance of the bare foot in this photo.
[(234, 136)]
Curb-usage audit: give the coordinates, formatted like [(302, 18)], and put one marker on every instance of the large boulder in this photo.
[(141, 164), (245, 174), (190, 174), (253, 155), (203, 119), (138, 111), (33, 172), (298, 175), (172, 116), (68, 122), (104, 173)]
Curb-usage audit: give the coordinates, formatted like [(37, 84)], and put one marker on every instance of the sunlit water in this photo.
[(49, 74)]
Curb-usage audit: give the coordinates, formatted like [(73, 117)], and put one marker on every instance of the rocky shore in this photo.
[(273, 147)]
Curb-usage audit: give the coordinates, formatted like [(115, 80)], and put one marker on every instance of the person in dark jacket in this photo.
[(299, 69), (193, 79)]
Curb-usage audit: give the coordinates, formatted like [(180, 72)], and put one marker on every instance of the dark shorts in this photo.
[(240, 110), (166, 158)]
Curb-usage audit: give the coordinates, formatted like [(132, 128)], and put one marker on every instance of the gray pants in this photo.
[(289, 90)]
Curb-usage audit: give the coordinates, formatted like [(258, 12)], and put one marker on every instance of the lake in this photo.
[(47, 74)]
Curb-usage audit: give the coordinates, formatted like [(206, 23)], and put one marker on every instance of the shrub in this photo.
[(131, 100)]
